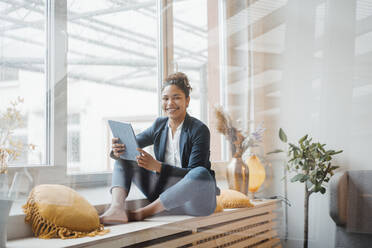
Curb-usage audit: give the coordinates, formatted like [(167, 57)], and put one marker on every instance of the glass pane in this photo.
[(22, 65), (190, 34), (112, 74), (305, 66)]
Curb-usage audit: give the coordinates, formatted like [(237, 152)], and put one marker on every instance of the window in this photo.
[(190, 38), (22, 74), (111, 69), (112, 73)]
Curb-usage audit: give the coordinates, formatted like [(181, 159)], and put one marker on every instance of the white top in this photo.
[(172, 151)]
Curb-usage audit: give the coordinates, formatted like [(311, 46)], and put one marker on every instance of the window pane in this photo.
[(308, 71), (22, 65), (112, 74), (190, 50)]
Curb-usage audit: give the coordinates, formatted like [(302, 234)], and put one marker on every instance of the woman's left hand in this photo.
[(145, 160)]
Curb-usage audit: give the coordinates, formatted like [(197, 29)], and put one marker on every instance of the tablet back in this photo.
[(125, 133)]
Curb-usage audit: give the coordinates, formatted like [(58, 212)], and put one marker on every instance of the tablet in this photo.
[(125, 133)]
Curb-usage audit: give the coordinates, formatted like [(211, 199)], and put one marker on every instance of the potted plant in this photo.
[(310, 163), (10, 150)]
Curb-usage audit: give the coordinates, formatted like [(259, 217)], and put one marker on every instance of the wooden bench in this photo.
[(245, 227)]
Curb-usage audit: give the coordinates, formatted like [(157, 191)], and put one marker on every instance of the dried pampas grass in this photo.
[(239, 141)]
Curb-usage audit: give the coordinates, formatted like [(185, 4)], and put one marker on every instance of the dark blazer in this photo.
[(194, 146)]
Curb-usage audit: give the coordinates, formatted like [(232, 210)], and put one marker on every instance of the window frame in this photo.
[(56, 36), (55, 169)]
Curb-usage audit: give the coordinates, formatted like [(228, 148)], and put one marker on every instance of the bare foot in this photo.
[(147, 211), (136, 215), (114, 215)]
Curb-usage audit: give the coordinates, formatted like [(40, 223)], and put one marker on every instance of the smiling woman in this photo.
[(181, 163)]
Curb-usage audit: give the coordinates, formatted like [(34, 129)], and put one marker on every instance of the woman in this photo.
[(179, 178)]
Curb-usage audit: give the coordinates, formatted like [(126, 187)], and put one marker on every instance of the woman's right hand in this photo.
[(117, 149)]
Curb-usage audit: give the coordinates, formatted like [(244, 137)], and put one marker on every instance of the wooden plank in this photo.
[(255, 239), (178, 226), (197, 222), (241, 223), (270, 243), (237, 236), (215, 231), (128, 239), (225, 216)]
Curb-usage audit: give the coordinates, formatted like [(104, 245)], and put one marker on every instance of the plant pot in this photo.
[(237, 175), (5, 205)]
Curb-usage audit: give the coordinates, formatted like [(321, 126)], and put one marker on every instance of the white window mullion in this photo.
[(56, 93), (223, 64), (59, 81), (160, 47)]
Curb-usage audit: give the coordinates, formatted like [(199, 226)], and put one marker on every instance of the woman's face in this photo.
[(174, 102)]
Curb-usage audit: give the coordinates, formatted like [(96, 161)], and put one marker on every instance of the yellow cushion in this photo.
[(233, 199), (219, 207), (57, 211)]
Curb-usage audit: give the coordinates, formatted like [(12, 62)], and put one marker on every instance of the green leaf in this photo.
[(294, 147), (282, 135), (304, 178), (322, 190), (317, 188), (275, 151), (302, 139), (321, 148), (334, 153), (297, 178)]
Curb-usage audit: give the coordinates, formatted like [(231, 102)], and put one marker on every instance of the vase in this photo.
[(5, 205), (237, 175)]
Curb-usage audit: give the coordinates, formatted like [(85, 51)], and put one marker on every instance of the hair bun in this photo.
[(180, 80)]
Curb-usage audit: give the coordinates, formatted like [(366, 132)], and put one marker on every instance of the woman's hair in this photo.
[(180, 80)]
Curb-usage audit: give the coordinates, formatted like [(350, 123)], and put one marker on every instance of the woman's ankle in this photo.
[(136, 215), (119, 196)]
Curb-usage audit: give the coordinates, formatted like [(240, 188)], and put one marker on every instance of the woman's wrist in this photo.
[(158, 167)]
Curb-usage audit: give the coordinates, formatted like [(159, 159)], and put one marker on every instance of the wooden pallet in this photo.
[(247, 227)]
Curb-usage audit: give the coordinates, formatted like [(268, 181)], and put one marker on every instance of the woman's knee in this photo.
[(200, 173)]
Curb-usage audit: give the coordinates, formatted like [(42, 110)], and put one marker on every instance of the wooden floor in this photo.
[(248, 227)]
